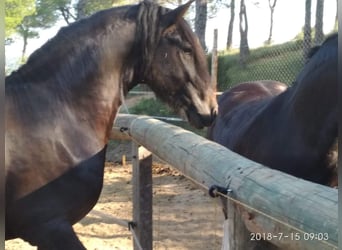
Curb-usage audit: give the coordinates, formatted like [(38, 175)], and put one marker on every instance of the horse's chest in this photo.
[(35, 159), (71, 196)]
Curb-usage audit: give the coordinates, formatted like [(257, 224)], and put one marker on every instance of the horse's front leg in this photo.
[(54, 235)]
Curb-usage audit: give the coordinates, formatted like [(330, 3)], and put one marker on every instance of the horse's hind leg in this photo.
[(54, 235)]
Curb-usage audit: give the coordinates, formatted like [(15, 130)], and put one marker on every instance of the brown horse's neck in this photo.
[(112, 81), (79, 81)]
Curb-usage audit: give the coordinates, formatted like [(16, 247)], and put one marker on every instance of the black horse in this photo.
[(61, 104), (293, 130)]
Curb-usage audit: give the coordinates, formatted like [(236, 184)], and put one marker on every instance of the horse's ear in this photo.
[(173, 16)]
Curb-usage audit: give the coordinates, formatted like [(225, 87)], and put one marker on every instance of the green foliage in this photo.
[(152, 107), (124, 2), (44, 17), (94, 6), (278, 62), (15, 11)]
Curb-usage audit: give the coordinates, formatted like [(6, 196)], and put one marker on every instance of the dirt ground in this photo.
[(184, 216)]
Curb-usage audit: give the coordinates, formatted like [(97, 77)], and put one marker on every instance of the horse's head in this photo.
[(177, 71)]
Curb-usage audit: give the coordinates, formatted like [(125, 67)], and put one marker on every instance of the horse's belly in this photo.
[(69, 197)]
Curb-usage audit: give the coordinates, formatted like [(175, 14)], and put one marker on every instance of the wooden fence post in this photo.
[(142, 196), (240, 238), (214, 60)]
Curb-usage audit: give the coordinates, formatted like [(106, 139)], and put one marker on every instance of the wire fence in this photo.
[(281, 62)]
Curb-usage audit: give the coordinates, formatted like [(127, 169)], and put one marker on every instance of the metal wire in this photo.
[(135, 238), (258, 211), (124, 223)]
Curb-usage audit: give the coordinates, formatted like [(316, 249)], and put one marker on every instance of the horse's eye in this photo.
[(187, 50)]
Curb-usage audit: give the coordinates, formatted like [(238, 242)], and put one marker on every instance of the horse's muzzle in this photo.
[(199, 120)]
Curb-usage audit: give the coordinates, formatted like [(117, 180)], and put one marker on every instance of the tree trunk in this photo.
[(231, 25), (66, 15), (244, 48), (201, 21), (23, 31), (272, 7), (214, 61), (80, 9), (319, 36), (307, 29), (23, 52)]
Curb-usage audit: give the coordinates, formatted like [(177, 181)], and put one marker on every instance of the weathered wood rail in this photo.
[(287, 203)]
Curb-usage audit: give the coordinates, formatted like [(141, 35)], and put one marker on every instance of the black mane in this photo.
[(77, 41)]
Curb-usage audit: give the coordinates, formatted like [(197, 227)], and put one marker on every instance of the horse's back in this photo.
[(237, 106)]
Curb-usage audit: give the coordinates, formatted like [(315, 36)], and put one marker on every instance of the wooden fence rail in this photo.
[(295, 214)]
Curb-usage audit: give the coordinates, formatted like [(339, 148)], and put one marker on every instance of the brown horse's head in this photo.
[(176, 68)]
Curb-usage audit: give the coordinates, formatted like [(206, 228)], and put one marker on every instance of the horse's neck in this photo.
[(312, 105), (84, 89), (110, 81)]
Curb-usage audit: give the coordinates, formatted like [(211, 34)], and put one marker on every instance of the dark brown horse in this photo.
[(61, 104), (293, 130)]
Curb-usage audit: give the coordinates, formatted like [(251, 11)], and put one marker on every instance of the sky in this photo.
[(288, 22)]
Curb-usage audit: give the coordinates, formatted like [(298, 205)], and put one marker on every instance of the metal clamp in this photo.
[(214, 191)]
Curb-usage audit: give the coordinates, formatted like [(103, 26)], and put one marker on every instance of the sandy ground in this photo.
[(184, 217)]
